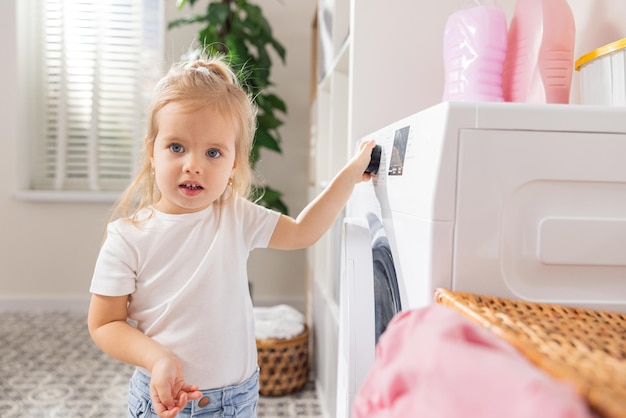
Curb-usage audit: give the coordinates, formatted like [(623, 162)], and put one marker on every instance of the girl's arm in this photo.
[(319, 215), (110, 331)]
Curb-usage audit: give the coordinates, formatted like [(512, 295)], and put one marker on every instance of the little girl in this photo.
[(170, 286)]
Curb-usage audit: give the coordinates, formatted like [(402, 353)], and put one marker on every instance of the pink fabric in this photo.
[(434, 363)]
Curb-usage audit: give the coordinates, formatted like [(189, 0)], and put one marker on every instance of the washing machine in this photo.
[(507, 199)]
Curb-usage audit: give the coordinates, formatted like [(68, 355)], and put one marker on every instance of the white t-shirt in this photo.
[(188, 284)]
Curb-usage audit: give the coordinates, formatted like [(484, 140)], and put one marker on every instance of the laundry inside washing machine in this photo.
[(386, 294)]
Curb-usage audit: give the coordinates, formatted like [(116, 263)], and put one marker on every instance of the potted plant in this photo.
[(238, 29)]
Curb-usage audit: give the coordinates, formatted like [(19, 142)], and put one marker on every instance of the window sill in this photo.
[(46, 196)]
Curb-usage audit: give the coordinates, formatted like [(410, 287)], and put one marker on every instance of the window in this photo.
[(99, 61)]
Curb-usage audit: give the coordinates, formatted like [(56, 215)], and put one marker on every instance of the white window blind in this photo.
[(100, 62)]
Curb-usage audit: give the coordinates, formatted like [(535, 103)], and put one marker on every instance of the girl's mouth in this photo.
[(191, 186), (191, 189)]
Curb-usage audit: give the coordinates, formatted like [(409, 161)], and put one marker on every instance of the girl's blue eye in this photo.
[(213, 153), (176, 148)]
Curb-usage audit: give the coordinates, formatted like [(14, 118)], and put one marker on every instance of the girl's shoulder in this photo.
[(246, 204), (137, 218), (244, 208), (137, 223)]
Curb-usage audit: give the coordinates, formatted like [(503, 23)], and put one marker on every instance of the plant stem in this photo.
[(227, 26)]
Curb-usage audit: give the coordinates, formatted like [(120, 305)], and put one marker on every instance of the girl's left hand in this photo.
[(362, 159)]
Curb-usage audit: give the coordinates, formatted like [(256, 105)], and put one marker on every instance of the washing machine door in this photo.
[(356, 314), (369, 298), (386, 294)]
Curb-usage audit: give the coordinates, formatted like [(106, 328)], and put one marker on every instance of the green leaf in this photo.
[(275, 102), (186, 21), (209, 40), (271, 198), (269, 121), (257, 22), (218, 13), (264, 60), (236, 48), (280, 49), (263, 139)]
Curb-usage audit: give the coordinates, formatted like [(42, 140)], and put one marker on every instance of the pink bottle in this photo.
[(474, 48), (540, 53)]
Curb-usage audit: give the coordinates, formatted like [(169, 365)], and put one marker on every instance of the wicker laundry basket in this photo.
[(283, 363), (585, 347)]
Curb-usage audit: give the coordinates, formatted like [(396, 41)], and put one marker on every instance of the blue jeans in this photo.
[(234, 401)]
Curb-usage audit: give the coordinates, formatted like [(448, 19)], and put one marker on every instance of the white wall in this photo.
[(47, 250)]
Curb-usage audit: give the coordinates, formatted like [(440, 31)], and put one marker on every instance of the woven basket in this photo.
[(283, 363), (585, 347)]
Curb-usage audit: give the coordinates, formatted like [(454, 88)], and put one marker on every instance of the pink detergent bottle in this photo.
[(540, 52), (474, 48)]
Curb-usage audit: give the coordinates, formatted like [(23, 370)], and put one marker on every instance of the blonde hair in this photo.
[(198, 83)]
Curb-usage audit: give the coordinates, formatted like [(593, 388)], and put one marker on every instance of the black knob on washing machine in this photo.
[(372, 168)]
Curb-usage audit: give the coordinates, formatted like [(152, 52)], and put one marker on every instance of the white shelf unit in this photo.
[(329, 152), (371, 57)]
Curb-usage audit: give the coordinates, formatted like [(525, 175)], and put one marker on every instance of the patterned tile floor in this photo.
[(49, 367)]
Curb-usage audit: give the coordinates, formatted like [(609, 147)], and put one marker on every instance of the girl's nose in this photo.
[(192, 164)]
